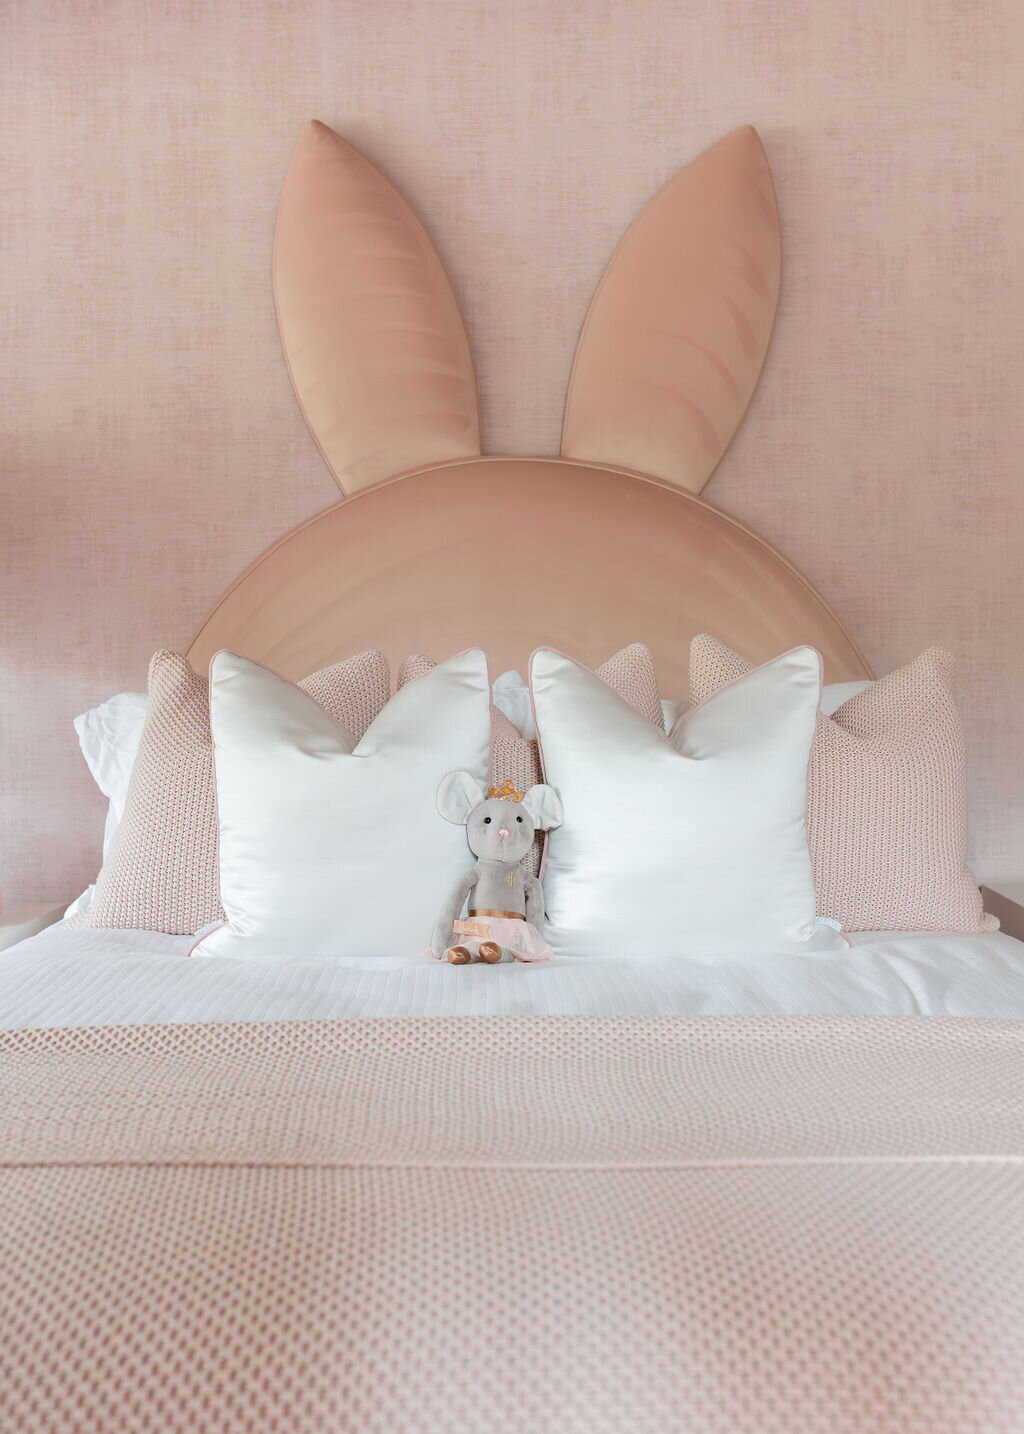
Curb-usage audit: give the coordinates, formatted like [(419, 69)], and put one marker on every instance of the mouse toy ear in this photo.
[(457, 795), (545, 807)]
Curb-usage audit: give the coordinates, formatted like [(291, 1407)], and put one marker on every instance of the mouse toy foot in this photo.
[(458, 955), (490, 952)]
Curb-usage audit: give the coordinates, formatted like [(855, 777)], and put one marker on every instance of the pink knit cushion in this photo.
[(886, 798), (161, 873), (515, 758)]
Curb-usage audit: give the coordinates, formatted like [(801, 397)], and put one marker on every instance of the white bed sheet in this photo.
[(85, 978)]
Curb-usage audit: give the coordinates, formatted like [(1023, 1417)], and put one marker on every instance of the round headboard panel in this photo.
[(510, 554)]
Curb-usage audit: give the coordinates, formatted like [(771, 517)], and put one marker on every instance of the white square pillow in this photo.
[(833, 695), (689, 845), (329, 847)]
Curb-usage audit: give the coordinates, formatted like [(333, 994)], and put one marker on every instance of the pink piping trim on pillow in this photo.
[(665, 736), (209, 695), (725, 685), (810, 749), (230, 652), (536, 724), (492, 709)]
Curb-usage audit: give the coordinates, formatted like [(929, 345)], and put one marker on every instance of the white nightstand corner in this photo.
[(21, 919), (1007, 902)]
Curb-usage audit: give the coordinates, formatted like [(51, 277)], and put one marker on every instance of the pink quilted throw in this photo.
[(886, 798), (540, 1225)]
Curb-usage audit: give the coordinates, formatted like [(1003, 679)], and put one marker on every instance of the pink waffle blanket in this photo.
[(769, 1225)]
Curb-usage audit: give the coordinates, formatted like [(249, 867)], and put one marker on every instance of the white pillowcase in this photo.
[(511, 696), (689, 845), (109, 737), (329, 848), (833, 695)]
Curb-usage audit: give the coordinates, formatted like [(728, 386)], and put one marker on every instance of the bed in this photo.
[(753, 1193), (66, 978), (313, 1198)]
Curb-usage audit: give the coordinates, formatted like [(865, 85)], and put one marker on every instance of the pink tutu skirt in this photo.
[(521, 938)]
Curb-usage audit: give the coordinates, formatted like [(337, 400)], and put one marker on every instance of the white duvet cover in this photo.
[(103, 978)]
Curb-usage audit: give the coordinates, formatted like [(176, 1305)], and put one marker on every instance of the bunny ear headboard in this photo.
[(373, 338), (667, 362), (437, 548), (679, 329), (510, 554)]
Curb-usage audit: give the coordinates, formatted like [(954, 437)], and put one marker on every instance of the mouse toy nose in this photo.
[(503, 832)]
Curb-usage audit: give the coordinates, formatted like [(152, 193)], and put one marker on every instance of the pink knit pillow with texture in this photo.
[(516, 758), (161, 873), (886, 798)]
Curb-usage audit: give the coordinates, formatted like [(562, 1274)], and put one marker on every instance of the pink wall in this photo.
[(151, 441)]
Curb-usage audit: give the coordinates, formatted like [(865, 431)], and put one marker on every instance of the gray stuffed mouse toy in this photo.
[(506, 902)]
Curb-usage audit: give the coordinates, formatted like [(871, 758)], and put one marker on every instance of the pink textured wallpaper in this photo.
[(151, 441)]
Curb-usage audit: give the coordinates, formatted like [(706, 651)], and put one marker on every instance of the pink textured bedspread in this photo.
[(778, 1225)]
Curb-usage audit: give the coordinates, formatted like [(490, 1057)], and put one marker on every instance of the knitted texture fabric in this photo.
[(773, 1225), (161, 873), (886, 797), (630, 672)]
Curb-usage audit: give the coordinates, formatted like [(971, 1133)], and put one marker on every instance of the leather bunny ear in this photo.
[(679, 328), (374, 341)]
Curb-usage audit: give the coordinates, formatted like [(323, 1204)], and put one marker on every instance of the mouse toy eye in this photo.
[(518, 819), (486, 820)]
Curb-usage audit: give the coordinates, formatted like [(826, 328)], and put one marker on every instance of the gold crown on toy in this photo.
[(506, 792)]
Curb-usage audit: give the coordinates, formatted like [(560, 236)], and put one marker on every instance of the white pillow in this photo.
[(671, 712), (689, 845), (109, 738), (329, 848), (833, 695), (511, 696)]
